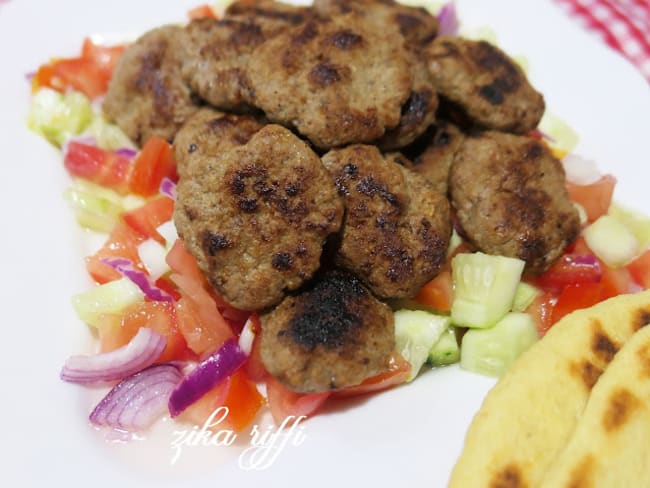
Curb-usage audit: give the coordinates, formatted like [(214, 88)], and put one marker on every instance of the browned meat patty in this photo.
[(272, 17), (336, 81), (414, 23), (396, 229), (147, 95), (510, 199), (483, 81), (256, 216), (210, 133), (419, 111), (215, 54), (433, 154), (332, 335)]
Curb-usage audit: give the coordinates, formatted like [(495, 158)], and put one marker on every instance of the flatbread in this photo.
[(610, 445), (529, 416)]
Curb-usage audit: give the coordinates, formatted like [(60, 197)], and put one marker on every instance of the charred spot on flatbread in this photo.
[(643, 355), (587, 372), (622, 405), (582, 475), (509, 477), (641, 318), (603, 347)]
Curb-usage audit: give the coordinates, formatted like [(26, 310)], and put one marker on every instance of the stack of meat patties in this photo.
[(322, 151)]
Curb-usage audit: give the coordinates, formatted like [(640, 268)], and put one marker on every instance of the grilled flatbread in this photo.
[(610, 444), (528, 417)]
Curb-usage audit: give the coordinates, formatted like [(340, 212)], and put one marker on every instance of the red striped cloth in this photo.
[(623, 24)]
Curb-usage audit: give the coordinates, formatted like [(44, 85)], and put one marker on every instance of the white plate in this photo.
[(406, 436)]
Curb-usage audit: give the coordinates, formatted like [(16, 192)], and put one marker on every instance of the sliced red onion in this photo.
[(168, 188), (125, 268), (139, 400), (127, 151), (208, 374), (28, 76), (448, 20), (141, 352)]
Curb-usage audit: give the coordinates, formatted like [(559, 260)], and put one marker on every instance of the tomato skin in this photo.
[(397, 373), (570, 269), (640, 269), (115, 332), (285, 403), (182, 262), (122, 242), (595, 198), (147, 218), (203, 328), (617, 282), (437, 293), (574, 297), (243, 401), (153, 163), (542, 311), (103, 167)]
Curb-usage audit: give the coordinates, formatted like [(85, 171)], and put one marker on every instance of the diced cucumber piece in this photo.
[(484, 288), (525, 294), (58, 117), (455, 241), (491, 351), (611, 241), (153, 254), (109, 136), (416, 331), (636, 223), (110, 298), (446, 350), (95, 207)]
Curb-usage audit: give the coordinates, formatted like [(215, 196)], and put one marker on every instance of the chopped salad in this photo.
[(171, 345)]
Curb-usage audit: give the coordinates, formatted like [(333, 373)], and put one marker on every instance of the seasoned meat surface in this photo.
[(331, 335), (337, 81), (416, 24), (215, 55), (419, 110), (397, 227), (272, 17), (209, 133), (256, 216), (147, 95), (510, 199), (486, 83), (432, 155)]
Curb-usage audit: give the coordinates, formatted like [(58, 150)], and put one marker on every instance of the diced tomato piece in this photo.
[(153, 163), (570, 269), (397, 373), (595, 198), (103, 167), (201, 12), (105, 57), (243, 401), (203, 333), (82, 75), (121, 243), (201, 410), (640, 269), (46, 78), (147, 218), (617, 282), (167, 286), (182, 262), (437, 293), (285, 403), (542, 311), (574, 297), (115, 332)]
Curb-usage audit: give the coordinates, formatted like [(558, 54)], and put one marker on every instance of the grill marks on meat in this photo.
[(485, 83), (396, 228), (256, 216), (332, 334), (147, 95), (510, 199)]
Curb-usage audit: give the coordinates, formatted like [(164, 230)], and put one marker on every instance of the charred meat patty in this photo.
[(256, 216), (485, 83), (331, 335), (272, 17), (336, 81), (209, 133), (510, 198), (147, 95), (396, 228)]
